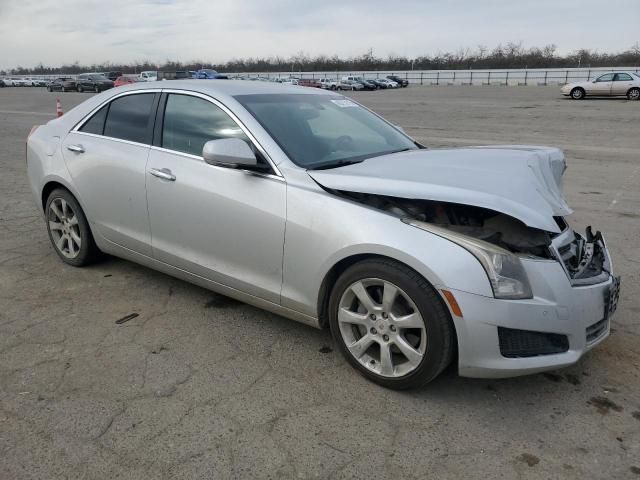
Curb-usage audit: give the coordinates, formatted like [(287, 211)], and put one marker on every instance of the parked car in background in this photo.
[(62, 84), (328, 83), (349, 85), (400, 81), (2, 84), (310, 82), (113, 76), (149, 76), (307, 204), (607, 85), (389, 83), (92, 82), (380, 83), (16, 82), (126, 80), (182, 75), (209, 74), (368, 84)]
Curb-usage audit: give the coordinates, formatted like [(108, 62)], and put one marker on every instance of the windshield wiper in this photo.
[(337, 163)]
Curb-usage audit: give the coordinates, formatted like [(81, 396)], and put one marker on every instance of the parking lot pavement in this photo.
[(200, 386)]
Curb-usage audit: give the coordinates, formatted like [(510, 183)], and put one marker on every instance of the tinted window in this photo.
[(96, 123), (623, 77), (605, 78), (129, 118), (190, 122)]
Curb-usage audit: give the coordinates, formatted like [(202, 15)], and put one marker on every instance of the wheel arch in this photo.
[(330, 277)]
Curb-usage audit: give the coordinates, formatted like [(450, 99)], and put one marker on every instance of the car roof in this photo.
[(228, 87)]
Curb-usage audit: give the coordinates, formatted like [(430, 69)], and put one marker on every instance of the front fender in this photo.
[(323, 229)]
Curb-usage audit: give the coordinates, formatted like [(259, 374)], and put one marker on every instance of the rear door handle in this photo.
[(76, 148), (163, 173)]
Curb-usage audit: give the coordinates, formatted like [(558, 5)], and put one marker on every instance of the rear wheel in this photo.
[(69, 230), (577, 93), (633, 94), (390, 324)]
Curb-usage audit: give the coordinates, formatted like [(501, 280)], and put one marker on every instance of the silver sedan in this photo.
[(305, 203), (610, 84)]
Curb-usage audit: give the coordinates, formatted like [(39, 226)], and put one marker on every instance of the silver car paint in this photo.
[(306, 232), (519, 183), (591, 87)]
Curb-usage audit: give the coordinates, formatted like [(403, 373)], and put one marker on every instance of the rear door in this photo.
[(601, 86), (622, 82), (106, 155)]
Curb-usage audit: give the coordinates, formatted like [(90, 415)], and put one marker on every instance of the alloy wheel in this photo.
[(64, 228), (382, 328), (634, 94)]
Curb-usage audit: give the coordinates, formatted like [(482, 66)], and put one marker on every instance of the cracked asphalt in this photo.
[(200, 386)]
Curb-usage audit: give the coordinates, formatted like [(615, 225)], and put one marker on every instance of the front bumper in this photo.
[(579, 315)]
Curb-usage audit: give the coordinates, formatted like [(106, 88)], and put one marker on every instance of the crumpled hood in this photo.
[(522, 181)]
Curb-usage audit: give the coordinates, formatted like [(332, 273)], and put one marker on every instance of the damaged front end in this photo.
[(584, 258)]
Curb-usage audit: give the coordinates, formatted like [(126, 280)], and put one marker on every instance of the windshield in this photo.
[(324, 131)]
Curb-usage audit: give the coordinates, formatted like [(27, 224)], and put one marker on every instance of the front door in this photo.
[(220, 223)]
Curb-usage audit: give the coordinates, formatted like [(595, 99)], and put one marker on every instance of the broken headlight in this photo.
[(504, 269)]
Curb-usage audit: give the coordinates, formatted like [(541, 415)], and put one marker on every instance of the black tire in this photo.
[(577, 93), (80, 90), (88, 252), (439, 327), (633, 94), (49, 89)]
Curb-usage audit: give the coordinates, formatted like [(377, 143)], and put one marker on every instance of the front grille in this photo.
[(516, 343), (596, 330)]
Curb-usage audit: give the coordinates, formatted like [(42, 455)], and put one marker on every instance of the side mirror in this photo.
[(229, 152)]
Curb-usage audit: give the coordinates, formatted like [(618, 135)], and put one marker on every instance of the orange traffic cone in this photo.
[(59, 111)]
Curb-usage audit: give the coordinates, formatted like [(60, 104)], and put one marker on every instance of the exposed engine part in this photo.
[(488, 225), (584, 257)]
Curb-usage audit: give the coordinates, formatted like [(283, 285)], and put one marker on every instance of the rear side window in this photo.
[(129, 118), (623, 77), (95, 124), (190, 122)]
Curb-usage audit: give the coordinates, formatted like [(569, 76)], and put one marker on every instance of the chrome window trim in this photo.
[(203, 96), (88, 116), (120, 140), (233, 117)]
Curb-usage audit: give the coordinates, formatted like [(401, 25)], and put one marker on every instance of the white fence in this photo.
[(537, 76), (534, 76)]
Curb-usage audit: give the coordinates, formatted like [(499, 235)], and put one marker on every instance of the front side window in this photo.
[(623, 77), (190, 122), (129, 118), (324, 131), (605, 78)]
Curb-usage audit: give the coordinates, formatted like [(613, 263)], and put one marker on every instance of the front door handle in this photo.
[(76, 148), (163, 173)]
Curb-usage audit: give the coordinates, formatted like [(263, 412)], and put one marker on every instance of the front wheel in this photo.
[(69, 230), (577, 93), (633, 94), (390, 324)]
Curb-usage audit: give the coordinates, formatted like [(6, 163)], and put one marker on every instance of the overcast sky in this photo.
[(94, 31)]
